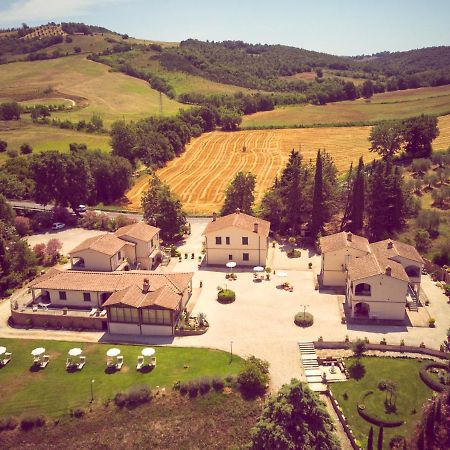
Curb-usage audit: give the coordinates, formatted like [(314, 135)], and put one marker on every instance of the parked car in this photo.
[(80, 209), (58, 225)]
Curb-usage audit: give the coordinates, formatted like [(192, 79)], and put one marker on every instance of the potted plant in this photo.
[(268, 272), (310, 265)]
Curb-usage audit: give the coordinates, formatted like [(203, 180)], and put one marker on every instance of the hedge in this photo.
[(428, 379), (226, 296), (304, 319), (373, 419)]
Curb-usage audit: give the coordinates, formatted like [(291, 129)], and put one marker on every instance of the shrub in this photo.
[(27, 423), (184, 387), (397, 442), (3, 146), (26, 149), (230, 379), (253, 377), (12, 153), (218, 384), (12, 423), (120, 399), (357, 370), (431, 382), (23, 225), (431, 322), (204, 385), (136, 395), (40, 421), (382, 385), (226, 296), (193, 388), (359, 347), (304, 319)]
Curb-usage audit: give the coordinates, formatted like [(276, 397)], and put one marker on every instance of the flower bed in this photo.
[(304, 319), (226, 296), (428, 379)]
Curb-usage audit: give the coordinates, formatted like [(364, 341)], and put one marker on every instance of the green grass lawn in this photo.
[(411, 395), (53, 391)]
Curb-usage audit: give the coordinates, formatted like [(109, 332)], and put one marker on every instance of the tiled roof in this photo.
[(138, 230), (134, 296), (238, 220), (116, 281), (343, 239), (48, 274), (372, 265), (390, 248), (104, 243)]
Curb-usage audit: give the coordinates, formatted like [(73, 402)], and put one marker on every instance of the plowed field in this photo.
[(202, 173)]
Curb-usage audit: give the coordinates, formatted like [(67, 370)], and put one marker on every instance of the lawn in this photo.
[(111, 95), (412, 393), (53, 391), (389, 105)]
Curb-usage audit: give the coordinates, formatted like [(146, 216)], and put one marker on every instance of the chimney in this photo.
[(145, 286), (349, 237), (390, 244), (238, 211), (255, 227), (214, 216), (388, 271)]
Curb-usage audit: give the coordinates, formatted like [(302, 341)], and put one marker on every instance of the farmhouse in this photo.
[(380, 279), (237, 237), (133, 246), (137, 302), (337, 251)]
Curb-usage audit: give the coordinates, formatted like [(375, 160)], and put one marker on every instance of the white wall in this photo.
[(156, 330), (75, 298), (335, 263), (124, 328), (94, 260)]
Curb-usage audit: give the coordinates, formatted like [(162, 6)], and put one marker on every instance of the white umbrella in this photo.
[(2, 350), (148, 351), (38, 351), (230, 264), (282, 274), (258, 269), (75, 351), (112, 352)]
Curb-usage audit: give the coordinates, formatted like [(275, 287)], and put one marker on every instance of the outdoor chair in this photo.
[(153, 361), (36, 360), (82, 362), (140, 362), (103, 313), (119, 362), (69, 363), (93, 311), (7, 358), (45, 361), (35, 308)]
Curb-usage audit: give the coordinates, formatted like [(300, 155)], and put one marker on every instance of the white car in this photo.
[(58, 225), (81, 208)]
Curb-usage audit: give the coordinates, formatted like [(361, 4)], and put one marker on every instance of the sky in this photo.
[(341, 27)]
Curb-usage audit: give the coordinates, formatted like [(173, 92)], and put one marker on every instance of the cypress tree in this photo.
[(317, 206), (349, 195), (357, 207), (429, 426), (370, 439), (378, 205), (380, 438), (421, 441)]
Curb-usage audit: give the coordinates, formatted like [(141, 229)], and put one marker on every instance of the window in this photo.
[(230, 257), (119, 255), (129, 315), (151, 243), (156, 317), (218, 240), (87, 296), (62, 295), (245, 257), (244, 240), (362, 289), (227, 240)]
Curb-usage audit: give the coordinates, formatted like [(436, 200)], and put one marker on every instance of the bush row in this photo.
[(428, 379), (201, 385), (135, 395)]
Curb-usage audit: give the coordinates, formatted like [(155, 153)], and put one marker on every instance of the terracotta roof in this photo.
[(48, 274), (134, 296), (343, 239), (238, 220), (104, 243), (138, 230), (372, 265), (390, 248), (117, 281)]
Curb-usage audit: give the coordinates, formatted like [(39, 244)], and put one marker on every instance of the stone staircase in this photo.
[(412, 300), (309, 361)]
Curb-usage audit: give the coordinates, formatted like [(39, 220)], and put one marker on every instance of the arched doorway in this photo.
[(362, 310)]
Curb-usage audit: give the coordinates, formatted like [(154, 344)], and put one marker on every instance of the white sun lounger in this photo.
[(140, 362), (82, 362), (45, 361), (119, 363)]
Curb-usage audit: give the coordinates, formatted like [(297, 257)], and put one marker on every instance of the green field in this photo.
[(53, 391), (412, 393), (43, 137), (111, 95), (389, 105), (181, 82)]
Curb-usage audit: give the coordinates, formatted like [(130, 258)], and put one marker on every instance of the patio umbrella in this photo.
[(282, 274), (38, 351), (258, 269), (148, 351), (75, 351), (112, 352), (230, 264), (2, 350)]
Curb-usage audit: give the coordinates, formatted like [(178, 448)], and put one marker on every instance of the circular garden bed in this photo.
[(435, 375), (367, 404), (304, 319), (226, 296)]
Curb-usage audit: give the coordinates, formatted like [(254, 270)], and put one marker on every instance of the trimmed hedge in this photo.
[(373, 419), (428, 379), (226, 296), (304, 319)]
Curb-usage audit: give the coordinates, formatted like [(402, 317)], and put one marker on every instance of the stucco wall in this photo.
[(218, 253), (334, 263), (124, 328), (75, 298), (94, 260), (156, 330)]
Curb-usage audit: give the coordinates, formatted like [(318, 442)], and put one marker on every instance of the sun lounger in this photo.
[(110, 362), (82, 362), (6, 359), (45, 361), (69, 363), (36, 360), (153, 361), (119, 363), (93, 312), (140, 362), (103, 313)]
